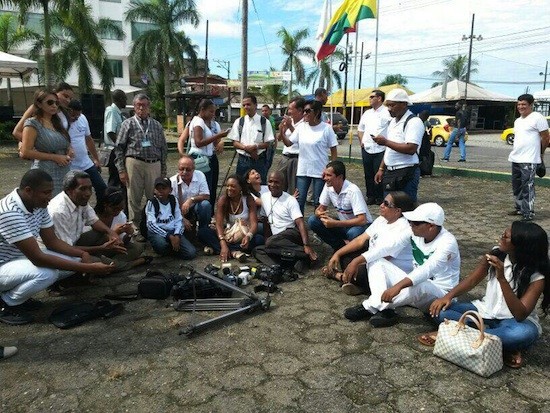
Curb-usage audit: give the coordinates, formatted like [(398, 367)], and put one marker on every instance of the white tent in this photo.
[(456, 90), (15, 66), (542, 95)]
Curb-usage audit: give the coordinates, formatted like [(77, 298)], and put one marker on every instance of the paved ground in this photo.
[(300, 356)]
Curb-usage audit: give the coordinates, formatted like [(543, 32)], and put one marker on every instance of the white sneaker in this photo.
[(6, 352)]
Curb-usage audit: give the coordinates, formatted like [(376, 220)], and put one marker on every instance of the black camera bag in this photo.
[(155, 285)]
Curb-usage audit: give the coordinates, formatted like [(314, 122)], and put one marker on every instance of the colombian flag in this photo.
[(344, 21)]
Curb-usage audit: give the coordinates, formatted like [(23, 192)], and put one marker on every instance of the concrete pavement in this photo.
[(300, 356)]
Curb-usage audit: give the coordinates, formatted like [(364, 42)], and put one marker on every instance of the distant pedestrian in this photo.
[(270, 152), (459, 132), (373, 122), (111, 126), (530, 142)]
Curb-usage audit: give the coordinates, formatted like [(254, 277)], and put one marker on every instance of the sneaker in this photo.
[(208, 251), (445, 159), (6, 352), (357, 313), (462, 160), (527, 218), (384, 318), (30, 305), (514, 212), (351, 289), (14, 317)]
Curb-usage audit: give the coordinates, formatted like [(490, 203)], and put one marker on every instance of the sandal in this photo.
[(332, 275), (427, 339), (512, 359)]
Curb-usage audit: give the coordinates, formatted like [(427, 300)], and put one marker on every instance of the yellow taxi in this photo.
[(441, 127), (508, 134)]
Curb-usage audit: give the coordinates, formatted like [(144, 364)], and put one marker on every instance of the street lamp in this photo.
[(471, 38), (545, 73)]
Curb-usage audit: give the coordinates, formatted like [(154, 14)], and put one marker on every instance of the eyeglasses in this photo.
[(308, 110), (417, 223), (373, 96), (51, 102), (184, 169), (388, 204)]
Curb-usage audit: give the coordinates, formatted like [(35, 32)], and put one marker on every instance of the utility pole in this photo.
[(346, 57), (206, 60), (545, 74), (226, 64), (244, 51), (471, 37)]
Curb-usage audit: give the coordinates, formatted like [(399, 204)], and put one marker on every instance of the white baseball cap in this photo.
[(398, 95), (429, 212)]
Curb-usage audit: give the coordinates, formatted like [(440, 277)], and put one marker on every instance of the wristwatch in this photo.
[(193, 199)]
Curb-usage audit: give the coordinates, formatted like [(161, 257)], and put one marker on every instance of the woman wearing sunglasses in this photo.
[(387, 237), (315, 139), (517, 273), (45, 140)]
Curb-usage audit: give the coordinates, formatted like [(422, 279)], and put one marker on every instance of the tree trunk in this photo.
[(290, 83), (166, 87), (8, 90), (48, 75)]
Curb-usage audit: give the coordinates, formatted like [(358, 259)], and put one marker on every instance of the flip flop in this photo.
[(513, 359), (427, 339), (336, 275)]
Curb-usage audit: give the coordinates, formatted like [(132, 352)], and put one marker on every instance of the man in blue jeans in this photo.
[(353, 214), (459, 132)]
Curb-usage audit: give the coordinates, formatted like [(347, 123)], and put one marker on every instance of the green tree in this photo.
[(455, 68), (323, 74), (164, 42), (80, 46), (274, 94), (293, 50), (393, 79), (13, 35)]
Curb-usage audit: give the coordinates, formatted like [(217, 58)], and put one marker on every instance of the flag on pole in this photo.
[(344, 21)]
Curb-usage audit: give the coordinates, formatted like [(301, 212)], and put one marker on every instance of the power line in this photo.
[(262, 31)]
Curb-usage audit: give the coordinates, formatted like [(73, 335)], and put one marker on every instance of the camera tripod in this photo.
[(234, 306)]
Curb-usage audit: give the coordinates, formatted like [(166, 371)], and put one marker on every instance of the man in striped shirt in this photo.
[(353, 214), (25, 269)]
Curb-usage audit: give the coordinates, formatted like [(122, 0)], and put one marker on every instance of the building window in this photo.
[(139, 28), (35, 22), (116, 67), (113, 36), (112, 1)]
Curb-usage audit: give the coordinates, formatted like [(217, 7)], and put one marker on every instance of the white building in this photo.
[(118, 50)]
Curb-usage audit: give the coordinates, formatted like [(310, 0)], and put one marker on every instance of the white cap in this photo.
[(429, 212), (398, 95)]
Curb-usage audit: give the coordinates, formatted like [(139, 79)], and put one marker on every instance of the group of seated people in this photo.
[(405, 257)]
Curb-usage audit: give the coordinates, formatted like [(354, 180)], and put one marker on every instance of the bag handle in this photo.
[(478, 321)]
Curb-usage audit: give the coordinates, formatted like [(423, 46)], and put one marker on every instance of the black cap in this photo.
[(163, 181)]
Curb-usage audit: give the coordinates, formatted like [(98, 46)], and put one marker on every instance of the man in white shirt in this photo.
[(374, 122), (111, 125), (82, 144), (190, 188), (353, 214), (399, 169), (25, 268), (289, 161), (251, 135), (71, 213), (530, 142), (436, 262), (284, 227)]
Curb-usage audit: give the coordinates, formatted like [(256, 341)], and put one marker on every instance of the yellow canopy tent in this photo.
[(361, 96)]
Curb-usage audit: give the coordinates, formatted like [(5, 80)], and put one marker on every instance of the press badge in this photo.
[(146, 144)]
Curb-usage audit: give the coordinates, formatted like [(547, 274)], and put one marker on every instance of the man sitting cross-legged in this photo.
[(353, 214), (25, 269), (436, 262), (387, 238), (284, 226)]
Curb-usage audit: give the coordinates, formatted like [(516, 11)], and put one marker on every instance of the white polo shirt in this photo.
[(78, 131), (527, 138), (315, 142), (413, 133), (374, 122), (348, 203), (197, 186), (281, 212), (251, 133)]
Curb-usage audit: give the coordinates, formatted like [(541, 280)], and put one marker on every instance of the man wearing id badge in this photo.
[(140, 155)]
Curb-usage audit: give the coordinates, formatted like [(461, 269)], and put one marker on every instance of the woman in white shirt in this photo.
[(205, 137), (518, 272), (315, 138)]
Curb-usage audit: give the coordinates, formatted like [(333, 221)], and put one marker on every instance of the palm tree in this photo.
[(164, 42), (294, 50), (80, 46), (455, 68), (12, 36), (274, 94), (324, 74), (394, 79)]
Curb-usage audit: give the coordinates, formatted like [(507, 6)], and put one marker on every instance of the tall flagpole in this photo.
[(353, 91), (376, 43)]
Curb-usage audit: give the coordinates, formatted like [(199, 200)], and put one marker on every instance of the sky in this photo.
[(414, 37)]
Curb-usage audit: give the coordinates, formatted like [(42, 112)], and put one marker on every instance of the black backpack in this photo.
[(425, 154), (263, 122), (156, 205)]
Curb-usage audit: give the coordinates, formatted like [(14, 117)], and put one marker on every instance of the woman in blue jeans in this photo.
[(518, 272)]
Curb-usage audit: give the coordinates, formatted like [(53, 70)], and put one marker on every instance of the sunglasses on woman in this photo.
[(51, 102)]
